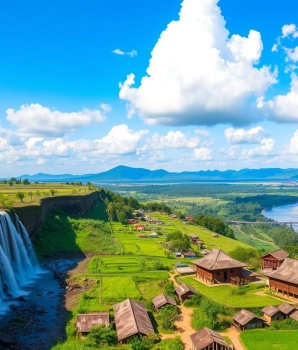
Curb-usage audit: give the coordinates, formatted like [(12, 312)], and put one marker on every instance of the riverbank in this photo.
[(37, 319)]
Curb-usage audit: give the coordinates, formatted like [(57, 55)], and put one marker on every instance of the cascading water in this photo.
[(18, 263)]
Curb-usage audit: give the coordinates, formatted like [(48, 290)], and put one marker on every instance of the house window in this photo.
[(218, 273)]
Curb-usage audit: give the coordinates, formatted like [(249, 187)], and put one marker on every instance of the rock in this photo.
[(6, 339)]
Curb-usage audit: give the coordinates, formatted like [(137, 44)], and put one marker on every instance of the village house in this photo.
[(245, 320), (285, 278), (185, 292), (272, 313), (177, 254), (194, 238), (250, 275), (131, 319), (185, 270), (162, 300), (207, 339), (286, 309), (84, 322), (218, 267), (189, 255), (294, 315), (272, 260)]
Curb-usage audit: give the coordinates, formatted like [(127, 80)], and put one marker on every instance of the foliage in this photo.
[(143, 343), (215, 225), (292, 250), (167, 316), (194, 301), (250, 255), (179, 241), (287, 324), (170, 344), (101, 335), (170, 289), (20, 196)]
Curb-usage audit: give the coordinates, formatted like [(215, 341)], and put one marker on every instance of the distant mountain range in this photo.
[(125, 174)]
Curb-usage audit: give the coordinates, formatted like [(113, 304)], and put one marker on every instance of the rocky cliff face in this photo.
[(32, 216)]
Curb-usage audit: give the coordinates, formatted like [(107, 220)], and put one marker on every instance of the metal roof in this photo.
[(131, 318), (270, 310), (286, 308), (183, 289)]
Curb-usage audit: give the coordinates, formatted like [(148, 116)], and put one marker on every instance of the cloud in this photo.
[(265, 149), (292, 148), (203, 154), (238, 136), (283, 108), (172, 140), (198, 74), (131, 53), (202, 132), (34, 119), (289, 31)]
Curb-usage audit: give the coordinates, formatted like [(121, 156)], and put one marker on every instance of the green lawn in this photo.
[(273, 340), (222, 294), (128, 264), (115, 289), (138, 246)]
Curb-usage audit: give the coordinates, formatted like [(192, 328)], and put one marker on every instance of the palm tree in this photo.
[(110, 211)]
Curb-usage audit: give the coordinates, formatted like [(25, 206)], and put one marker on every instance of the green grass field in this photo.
[(273, 340), (128, 264), (222, 294), (115, 289)]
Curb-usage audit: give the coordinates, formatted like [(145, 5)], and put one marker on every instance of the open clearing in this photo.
[(273, 340), (223, 294)]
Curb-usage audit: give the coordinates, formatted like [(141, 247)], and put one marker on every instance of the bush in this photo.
[(167, 316), (288, 324), (101, 335)]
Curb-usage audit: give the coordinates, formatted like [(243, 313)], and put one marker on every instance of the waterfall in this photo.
[(18, 262)]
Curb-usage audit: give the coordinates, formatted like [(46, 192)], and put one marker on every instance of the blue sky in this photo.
[(191, 85)]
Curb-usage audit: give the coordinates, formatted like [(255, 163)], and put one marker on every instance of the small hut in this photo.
[(185, 292), (207, 339), (272, 313), (131, 318), (286, 309), (245, 320), (272, 260), (86, 321), (294, 315), (162, 300)]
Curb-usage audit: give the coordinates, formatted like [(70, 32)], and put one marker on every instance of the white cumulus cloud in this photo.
[(203, 154), (238, 136), (198, 74), (172, 140), (35, 119), (283, 108), (265, 149)]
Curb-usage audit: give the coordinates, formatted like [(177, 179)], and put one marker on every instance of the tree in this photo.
[(167, 316), (30, 193), (53, 191), (110, 211), (20, 196), (25, 182), (102, 335)]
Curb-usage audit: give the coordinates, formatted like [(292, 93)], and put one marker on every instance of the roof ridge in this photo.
[(218, 251), (133, 313)]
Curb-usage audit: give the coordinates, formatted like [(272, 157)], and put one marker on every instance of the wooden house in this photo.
[(294, 315), (189, 255), (84, 322), (285, 278), (131, 319), (162, 300), (245, 320), (286, 309), (272, 313), (250, 275), (272, 260), (218, 267), (185, 292), (194, 238), (207, 339)]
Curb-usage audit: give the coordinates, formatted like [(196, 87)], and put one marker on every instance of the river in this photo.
[(287, 212)]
